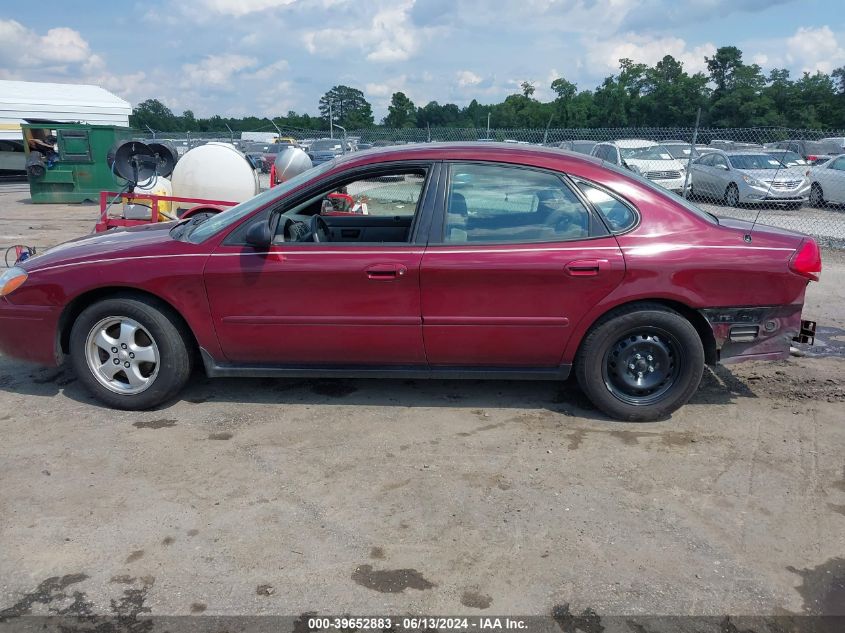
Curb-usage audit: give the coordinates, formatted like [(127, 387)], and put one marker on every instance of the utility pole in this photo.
[(488, 126), (685, 193), (343, 144), (331, 122)]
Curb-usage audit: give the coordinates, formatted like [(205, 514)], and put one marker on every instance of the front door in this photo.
[(348, 301), (518, 260)]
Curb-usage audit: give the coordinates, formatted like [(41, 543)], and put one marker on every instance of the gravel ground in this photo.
[(384, 496)]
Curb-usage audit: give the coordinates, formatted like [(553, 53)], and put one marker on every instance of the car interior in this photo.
[(377, 209)]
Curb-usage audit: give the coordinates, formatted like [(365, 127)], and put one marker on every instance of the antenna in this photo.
[(747, 236)]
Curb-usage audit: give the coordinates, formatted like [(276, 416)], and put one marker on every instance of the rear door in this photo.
[(832, 180), (350, 301), (516, 258)]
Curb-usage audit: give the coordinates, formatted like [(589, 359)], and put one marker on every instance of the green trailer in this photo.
[(70, 163)]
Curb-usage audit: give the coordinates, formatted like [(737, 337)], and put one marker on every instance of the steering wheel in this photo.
[(320, 231)]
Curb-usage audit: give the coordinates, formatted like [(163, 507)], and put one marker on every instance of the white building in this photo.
[(64, 103)]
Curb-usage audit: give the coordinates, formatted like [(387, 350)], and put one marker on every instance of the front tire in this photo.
[(640, 363), (130, 352), (732, 195), (816, 195)]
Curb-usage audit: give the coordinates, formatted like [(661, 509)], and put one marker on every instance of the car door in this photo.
[(516, 258), (833, 182), (349, 302)]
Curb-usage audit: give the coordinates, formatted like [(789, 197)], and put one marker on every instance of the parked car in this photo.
[(836, 143), (490, 261), (580, 146), (255, 153), (648, 158), (681, 150), (827, 182), (788, 158), (736, 178), (326, 149), (811, 151)]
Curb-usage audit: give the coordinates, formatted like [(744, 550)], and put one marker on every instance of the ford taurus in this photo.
[(425, 261)]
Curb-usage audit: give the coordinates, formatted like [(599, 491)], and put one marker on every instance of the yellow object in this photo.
[(13, 284), (160, 186)]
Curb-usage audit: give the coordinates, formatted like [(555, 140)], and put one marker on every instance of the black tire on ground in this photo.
[(165, 329), (603, 361), (816, 195), (732, 195)]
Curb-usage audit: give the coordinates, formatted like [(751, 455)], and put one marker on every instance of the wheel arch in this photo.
[(75, 307), (705, 332)]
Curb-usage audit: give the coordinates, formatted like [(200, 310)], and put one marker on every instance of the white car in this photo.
[(647, 158), (827, 182)]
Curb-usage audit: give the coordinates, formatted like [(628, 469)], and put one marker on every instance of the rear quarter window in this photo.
[(618, 215)]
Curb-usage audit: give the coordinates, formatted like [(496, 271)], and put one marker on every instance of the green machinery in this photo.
[(66, 162)]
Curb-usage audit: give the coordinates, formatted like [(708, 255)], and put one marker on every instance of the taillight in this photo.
[(807, 260), (812, 158)]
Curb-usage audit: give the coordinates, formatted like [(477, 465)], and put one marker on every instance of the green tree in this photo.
[(401, 112), (527, 88), (155, 114), (347, 106)]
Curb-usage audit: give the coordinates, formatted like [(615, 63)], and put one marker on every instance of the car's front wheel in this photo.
[(816, 195), (640, 363), (130, 352)]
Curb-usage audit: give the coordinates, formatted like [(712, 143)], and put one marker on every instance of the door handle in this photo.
[(385, 272), (586, 267)]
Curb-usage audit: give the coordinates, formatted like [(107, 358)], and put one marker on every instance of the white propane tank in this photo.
[(291, 162), (214, 171), (158, 186)]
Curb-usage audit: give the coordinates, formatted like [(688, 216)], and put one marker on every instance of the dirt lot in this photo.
[(376, 496)]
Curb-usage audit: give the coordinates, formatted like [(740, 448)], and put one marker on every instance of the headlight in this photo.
[(11, 280), (753, 181)]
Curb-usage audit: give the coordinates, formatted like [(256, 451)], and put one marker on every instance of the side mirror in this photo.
[(258, 234)]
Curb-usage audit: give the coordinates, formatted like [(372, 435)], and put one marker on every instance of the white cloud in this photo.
[(239, 8), (604, 54), (270, 71), (467, 78), (390, 36), (216, 71), (23, 47), (814, 49)]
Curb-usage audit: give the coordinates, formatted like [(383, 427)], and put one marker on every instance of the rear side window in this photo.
[(619, 216), (504, 204)]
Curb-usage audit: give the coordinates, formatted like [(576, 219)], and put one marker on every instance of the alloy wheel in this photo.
[(122, 355)]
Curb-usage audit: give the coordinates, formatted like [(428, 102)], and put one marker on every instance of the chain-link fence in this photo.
[(785, 177)]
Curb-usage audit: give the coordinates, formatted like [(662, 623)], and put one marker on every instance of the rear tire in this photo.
[(640, 363), (130, 352)]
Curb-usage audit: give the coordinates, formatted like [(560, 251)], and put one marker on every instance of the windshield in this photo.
[(653, 152), (790, 159), (754, 161), (324, 146), (229, 217), (681, 151)]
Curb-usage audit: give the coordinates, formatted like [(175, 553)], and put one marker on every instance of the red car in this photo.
[(475, 261)]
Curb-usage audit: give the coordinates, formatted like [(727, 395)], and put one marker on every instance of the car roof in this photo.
[(507, 152)]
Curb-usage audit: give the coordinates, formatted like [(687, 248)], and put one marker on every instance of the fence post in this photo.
[(685, 192)]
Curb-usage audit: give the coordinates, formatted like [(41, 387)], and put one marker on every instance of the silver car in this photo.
[(748, 177)]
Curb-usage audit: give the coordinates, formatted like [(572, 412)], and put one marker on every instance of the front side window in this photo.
[(838, 164), (499, 204)]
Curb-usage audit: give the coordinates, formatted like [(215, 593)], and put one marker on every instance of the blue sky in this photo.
[(236, 57)]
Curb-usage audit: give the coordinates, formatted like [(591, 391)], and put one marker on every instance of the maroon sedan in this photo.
[(467, 261)]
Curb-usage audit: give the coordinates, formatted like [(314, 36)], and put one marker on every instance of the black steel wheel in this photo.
[(640, 362)]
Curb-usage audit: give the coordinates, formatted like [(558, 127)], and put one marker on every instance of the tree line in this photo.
[(730, 94)]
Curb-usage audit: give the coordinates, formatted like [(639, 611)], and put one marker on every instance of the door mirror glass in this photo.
[(258, 234)]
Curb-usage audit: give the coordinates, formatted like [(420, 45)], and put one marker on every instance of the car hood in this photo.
[(104, 245)]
